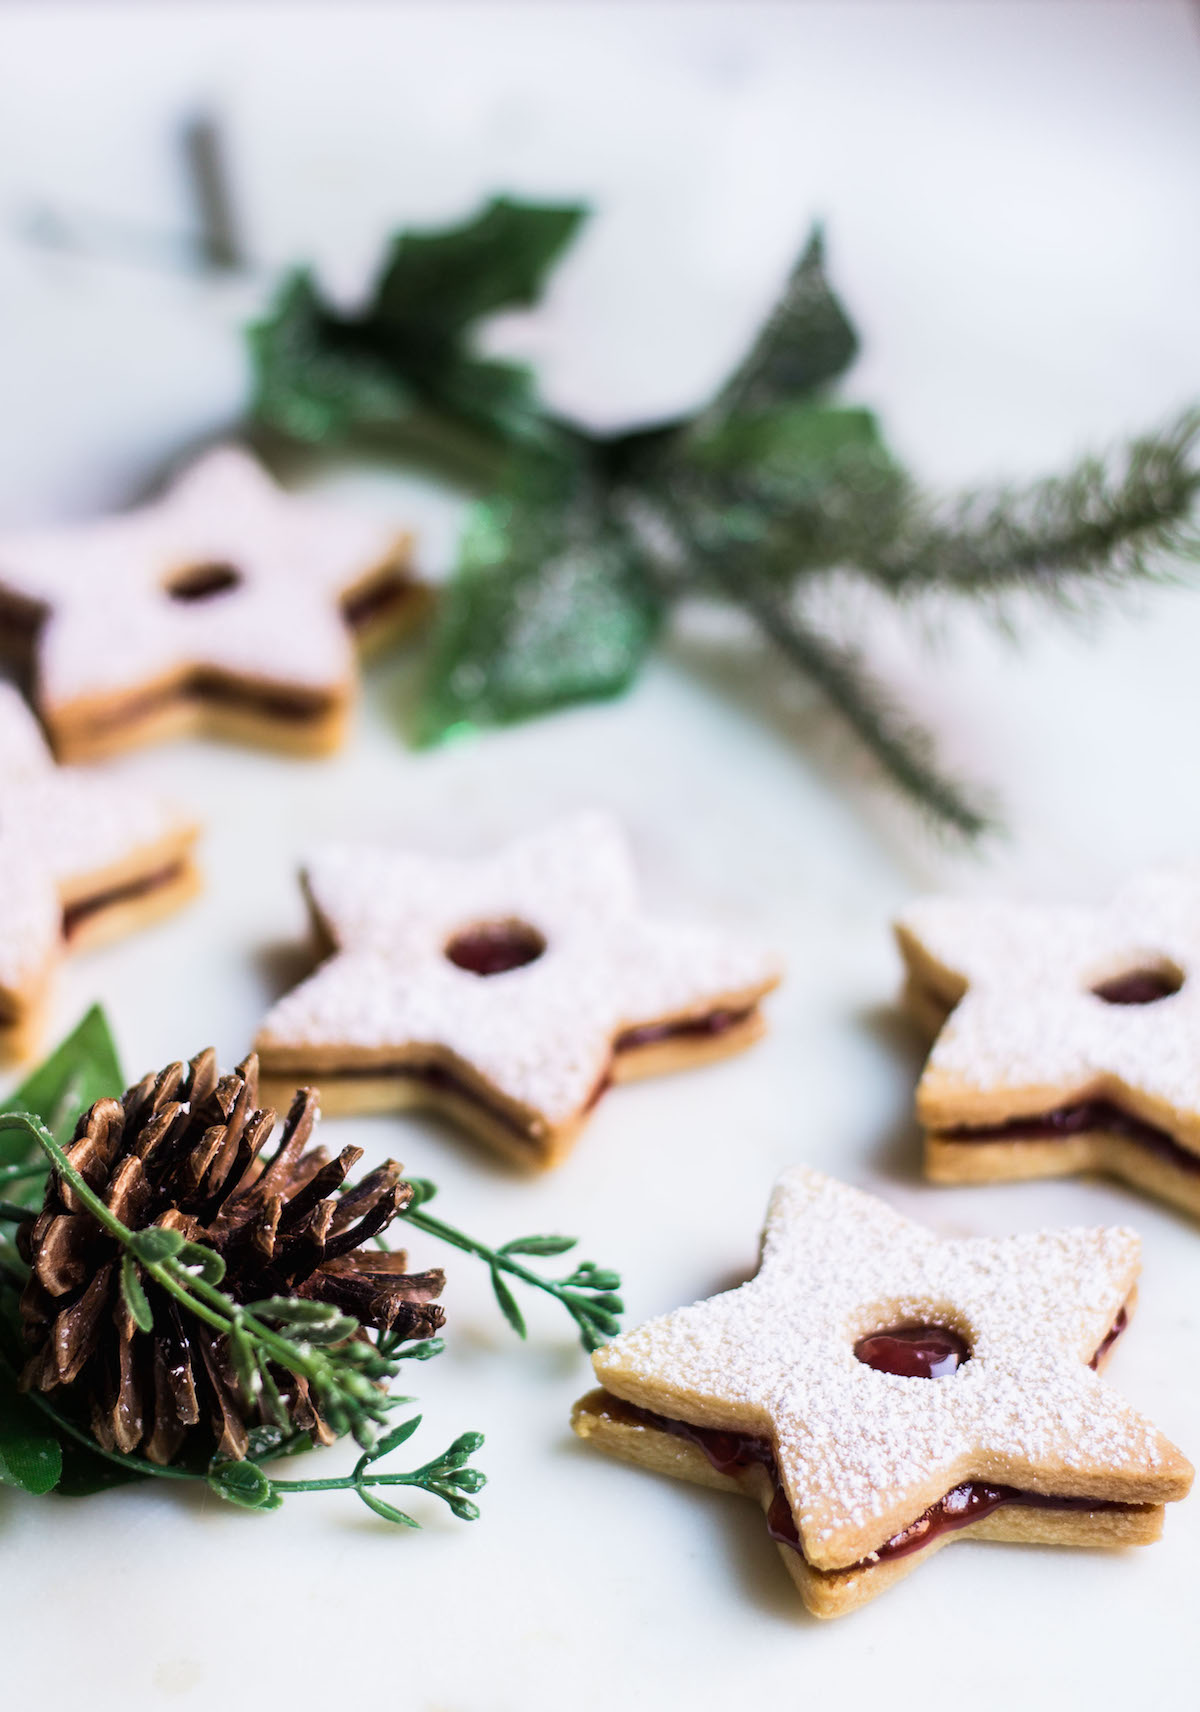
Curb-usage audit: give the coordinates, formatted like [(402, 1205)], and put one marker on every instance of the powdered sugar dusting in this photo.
[(58, 825), (777, 1354), (1029, 1019), (113, 626), (541, 1034)]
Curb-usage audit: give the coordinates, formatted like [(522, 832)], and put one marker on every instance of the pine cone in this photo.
[(182, 1150)]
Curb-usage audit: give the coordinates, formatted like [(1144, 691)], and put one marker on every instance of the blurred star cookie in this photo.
[(508, 991), (82, 860), (1065, 1038), (226, 607), (881, 1393)]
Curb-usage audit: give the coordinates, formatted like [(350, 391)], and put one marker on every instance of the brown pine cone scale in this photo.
[(183, 1150)]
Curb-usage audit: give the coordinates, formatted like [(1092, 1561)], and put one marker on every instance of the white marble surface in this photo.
[(1011, 198)]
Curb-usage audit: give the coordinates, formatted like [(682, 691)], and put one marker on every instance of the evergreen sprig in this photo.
[(43, 1448), (310, 1339), (584, 540), (1064, 539), (588, 1292), (447, 1477)]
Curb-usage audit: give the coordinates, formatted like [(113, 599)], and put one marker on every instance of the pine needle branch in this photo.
[(1101, 525), (902, 749)]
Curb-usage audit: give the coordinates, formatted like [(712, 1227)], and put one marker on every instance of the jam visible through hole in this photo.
[(1143, 986), (914, 1352), (202, 582), (495, 947)]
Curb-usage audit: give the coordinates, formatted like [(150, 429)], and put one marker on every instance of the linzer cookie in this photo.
[(227, 607), (81, 861), (507, 992), (881, 1393), (1066, 1038)]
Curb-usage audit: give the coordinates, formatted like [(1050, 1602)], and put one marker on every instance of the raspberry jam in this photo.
[(1085, 1117), (924, 1352), (495, 947), (1139, 987), (711, 1024), (1110, 1337), (914, 1352), (203, 582)]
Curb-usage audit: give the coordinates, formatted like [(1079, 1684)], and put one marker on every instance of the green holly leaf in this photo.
[(805, 436), (804, 487), (82, 1069), (321, 376), (318, 375), (807, 341), (497, 260), (550, 604), (30, 1455)]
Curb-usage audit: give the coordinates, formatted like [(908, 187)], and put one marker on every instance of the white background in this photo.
[(1011, 198)]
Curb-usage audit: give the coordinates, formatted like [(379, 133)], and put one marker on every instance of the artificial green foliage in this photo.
[(30, 1455), (552, 603), (585, 540), (322, 375), (806, 342), (44, 1447), (1067, 539), (587, 1292)]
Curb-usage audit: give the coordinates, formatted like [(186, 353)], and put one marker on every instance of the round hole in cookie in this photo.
[(495, 947), (202, 582), (924, 1351), (1150, 979)]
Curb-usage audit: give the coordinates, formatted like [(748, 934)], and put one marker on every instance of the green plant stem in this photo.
[(14, 1212), (348, 1482), (469, 1245), (586, 1294)]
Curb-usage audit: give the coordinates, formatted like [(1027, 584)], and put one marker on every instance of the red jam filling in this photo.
[(914, 1352), (74, 914), (1079, 1119), (1139, 987), (495, 947), (361, 607), (297, 706), (1110, 1337), (729, 1453), (714, 1023), (203, 582), (438, 1076)]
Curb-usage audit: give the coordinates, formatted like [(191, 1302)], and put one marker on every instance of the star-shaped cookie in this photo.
[(1067, 1039), (882, 1392), (81, 860), (227, 607), (508, 991)]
